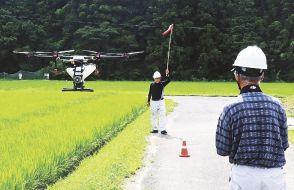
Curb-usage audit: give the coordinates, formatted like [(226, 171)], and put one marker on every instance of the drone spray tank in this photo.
[(79, 72)]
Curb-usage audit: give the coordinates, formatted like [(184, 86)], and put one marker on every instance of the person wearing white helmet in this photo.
[(157, 103), (252, 129), (250, 62)]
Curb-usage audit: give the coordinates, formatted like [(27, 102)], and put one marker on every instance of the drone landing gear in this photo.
[(78, 87), (77, 90)]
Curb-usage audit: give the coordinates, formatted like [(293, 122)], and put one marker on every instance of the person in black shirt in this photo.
[(157, 103)]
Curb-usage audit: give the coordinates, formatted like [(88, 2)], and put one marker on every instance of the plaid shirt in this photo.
[(252, 130)]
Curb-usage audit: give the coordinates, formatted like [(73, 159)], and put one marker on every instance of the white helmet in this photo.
[(251, 57), (156, 75)]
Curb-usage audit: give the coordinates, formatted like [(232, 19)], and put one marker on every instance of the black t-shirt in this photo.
[(156, 89)]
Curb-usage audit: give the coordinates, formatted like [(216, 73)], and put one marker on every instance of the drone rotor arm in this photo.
[(67, 51), (42, 52), (90, 51)]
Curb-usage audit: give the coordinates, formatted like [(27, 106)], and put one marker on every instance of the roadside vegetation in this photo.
[(116, 161), (289, 103), (291, 136)]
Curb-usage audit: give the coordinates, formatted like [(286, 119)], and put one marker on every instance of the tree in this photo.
[(207, 37)]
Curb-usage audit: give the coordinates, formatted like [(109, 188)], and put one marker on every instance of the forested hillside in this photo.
[(208, 34)]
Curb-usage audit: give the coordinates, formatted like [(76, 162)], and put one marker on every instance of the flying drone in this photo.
[(79, 67)]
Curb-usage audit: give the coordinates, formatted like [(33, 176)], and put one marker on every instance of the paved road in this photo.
[(194, 120)]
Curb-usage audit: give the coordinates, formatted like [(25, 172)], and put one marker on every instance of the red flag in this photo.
[(169, 30)]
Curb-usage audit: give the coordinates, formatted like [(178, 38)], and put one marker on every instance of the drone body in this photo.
[(79, 67), (79, 72)]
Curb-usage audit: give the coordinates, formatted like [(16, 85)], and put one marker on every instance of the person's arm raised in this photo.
[(167, 79)]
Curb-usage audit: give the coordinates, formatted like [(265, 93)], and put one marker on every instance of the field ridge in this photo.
[(94, 147)]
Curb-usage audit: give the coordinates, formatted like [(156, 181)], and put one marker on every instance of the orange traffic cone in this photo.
[(184, 152)]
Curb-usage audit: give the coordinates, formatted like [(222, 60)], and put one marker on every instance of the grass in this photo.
[(175, 88), (285, 91), (226, 89), (289, 103), (291, 135), (119, 159), (45, 134)]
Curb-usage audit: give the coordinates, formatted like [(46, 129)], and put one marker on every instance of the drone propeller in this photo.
[(42, 52), (136, 53), (22, 52), (46, 54)]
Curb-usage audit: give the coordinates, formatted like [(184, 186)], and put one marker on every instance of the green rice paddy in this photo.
[(45, 134)]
